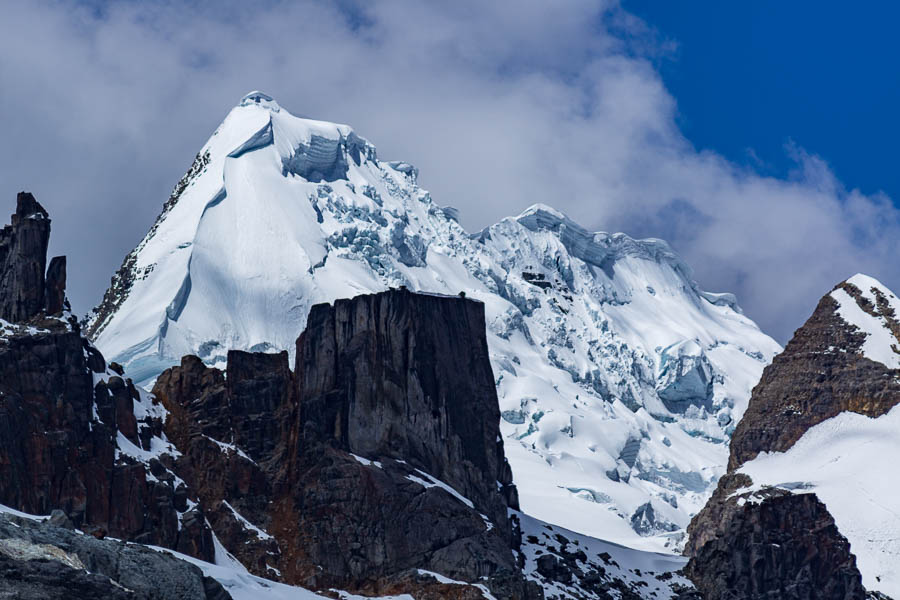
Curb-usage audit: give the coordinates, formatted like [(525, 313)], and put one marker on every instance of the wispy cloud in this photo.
[(500, 104)]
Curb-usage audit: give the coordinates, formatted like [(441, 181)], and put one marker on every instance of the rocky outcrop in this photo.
[(370, 463), (749, 542), (776, 545), (40, 561), (210, 422), (55, 288), (821, 373), (395, 361), (69, 435), (23, 259)]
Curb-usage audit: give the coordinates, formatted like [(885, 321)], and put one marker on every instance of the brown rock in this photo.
[(377, 377), (819, 375), (782, 546), (23, 258)]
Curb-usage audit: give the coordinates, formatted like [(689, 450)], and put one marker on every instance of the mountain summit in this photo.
[(619, 380), (822, 421)]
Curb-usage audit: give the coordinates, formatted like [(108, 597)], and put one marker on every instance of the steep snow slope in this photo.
[(619, 380), (874, 314)]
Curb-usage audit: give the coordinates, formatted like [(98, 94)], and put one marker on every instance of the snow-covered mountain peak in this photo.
[(260, 99), (619, 379), (872, 308)]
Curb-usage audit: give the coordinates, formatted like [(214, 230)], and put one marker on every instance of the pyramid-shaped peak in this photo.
[(261, 99), (866, 284)]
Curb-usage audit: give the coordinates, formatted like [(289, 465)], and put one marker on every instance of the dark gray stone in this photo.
[(23, 259), (150, 575)]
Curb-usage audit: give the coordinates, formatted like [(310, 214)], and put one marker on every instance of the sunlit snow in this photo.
[(619, 380)]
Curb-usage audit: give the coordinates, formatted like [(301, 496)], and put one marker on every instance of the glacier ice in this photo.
[(615, 373)]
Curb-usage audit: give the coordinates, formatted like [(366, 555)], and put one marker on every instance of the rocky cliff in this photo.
[(761, 535), (74, 435), (374, 466), (376, 462)]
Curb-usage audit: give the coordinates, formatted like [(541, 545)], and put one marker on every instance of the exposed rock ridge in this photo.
[(386, 457), (121, 282)]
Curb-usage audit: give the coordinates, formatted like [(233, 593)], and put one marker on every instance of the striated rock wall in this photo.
[(65, 420), (377, 457), (407, 376)]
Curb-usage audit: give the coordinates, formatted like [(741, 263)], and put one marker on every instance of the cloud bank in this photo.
[(500, 105)]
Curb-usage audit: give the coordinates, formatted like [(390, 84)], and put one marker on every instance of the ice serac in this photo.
[(619, 380), (822, 423), (370, 462)]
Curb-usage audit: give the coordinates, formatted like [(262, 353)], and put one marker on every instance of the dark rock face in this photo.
[(819, 375), (23, 259), (786, 546), (374, 459), (747, 545), (39, 561), (208, 420), (61, 416), (380, 375), (55, 292)]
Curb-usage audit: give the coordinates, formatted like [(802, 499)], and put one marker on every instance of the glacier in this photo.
[(619, 380)]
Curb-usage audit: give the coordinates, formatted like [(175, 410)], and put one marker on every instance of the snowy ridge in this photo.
[(619, 380), (874, 310)]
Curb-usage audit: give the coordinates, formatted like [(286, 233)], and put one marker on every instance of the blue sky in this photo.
[(757, 141), (752, 77)]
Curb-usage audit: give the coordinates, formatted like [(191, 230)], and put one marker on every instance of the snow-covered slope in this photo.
[(843, 461), (873, 313), (619, 380)]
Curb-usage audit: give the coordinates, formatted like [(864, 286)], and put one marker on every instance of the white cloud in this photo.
[(499, 104)]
